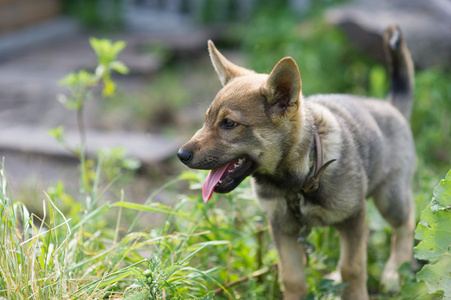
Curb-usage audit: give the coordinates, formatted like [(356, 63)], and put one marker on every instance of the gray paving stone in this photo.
[(45, 32), (148, 148), (426, 26)]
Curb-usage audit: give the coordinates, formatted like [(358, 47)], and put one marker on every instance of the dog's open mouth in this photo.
[(227, 177)]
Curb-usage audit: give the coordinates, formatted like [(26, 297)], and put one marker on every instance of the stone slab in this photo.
[(48, 31), (147, 148), (426, 26)]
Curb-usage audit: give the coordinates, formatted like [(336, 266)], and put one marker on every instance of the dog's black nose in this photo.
[(184, 155)]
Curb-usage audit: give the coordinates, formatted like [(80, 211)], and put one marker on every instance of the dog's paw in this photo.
[(335, 276), (390, 281)]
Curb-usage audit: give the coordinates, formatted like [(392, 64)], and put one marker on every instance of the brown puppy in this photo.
[(314, 161)]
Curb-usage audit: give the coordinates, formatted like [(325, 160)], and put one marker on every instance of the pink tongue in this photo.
[(211, 181)]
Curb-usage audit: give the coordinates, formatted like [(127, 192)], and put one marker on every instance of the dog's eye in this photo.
[(229, 124)]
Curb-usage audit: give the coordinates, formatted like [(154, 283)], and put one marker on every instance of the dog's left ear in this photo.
[(225, 69), (283, 89)]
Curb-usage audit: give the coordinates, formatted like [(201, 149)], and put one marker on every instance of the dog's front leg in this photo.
[(352, 264), (291, 262)]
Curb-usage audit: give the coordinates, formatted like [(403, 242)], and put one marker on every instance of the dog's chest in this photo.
[(293, 207), (311, 209)]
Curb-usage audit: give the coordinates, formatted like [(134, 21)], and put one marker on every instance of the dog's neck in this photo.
[(293, 169)]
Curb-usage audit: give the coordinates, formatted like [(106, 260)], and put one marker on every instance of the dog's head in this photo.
[(246, 125)]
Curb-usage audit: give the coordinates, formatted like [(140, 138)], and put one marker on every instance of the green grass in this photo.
[(198, 250)]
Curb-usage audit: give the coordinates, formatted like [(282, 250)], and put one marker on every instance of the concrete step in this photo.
[(424, 23), (147, 148), (40, 34)]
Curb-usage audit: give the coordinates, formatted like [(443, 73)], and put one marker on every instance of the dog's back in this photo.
[(379, 133), (375, 140)]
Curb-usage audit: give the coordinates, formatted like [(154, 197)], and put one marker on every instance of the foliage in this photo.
[(434, 233), (48, 258), (327, 61), (82, 85), (430, 120), (200, 251)]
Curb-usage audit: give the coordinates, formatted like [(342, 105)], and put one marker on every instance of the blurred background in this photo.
[(162, 101)]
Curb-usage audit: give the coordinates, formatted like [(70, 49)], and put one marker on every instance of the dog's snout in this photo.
[(185, 155)]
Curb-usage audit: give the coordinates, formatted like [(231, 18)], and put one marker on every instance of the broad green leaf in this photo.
[(436, 236), (438, 276), (442, 194), (434, 233), (417, 291)]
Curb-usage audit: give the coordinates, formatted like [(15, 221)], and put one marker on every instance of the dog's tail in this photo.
[(401, 70)]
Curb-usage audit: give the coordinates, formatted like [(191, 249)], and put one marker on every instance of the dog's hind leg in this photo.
[(352, 264), (396, 205)]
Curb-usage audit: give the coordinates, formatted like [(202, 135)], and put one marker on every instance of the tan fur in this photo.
[(271, 129)]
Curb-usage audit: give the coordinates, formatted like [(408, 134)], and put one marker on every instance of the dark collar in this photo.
[(318, 168), (312, 183), (309, 188)]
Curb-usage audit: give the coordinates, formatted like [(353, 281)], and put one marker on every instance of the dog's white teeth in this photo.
[(230, 171), (239, 163), (220, 181)]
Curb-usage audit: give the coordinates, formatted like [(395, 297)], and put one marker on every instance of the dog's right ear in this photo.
[(225, 69)]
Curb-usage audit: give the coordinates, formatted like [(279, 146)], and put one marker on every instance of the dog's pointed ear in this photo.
[(282, 89), (225, 69)]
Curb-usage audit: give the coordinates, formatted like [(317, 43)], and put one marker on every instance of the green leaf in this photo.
[(118, 47), (437, 276), (153, 207), (58, 134), (417, 291), (442, 194), (119, 67), (106, 51), (80, 79), (434, 233)]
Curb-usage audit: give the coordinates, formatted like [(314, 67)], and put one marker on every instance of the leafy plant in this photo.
[(82, 83), (434, 233), (81, 86)]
